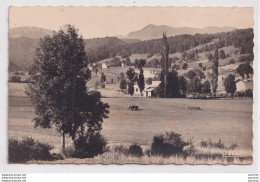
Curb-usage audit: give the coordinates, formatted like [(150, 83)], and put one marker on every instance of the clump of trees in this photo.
[(154, 63), (244, 69), (59, 91)]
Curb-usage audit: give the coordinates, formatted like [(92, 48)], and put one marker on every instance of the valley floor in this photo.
[(227, 119)]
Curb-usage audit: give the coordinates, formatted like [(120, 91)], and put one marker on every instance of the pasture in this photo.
[(229, 120)]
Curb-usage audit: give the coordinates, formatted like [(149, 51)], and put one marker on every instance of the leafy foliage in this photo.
[(194, 85), (130, 74), (28, 149), (135, 150), (140, 82), (172, 88), (184, 66), (15, 78), (222, 54), (88, 147), (168, 144), (58, 90), (130, 88), (149, 81), (123, 84), (244, 69), (230, 84), (103, 77), (182, 84), (205, 87)]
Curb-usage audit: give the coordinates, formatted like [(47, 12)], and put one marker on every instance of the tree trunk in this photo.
[(165, 86), (63, 140)]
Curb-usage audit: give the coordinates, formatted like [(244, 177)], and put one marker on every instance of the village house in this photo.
[(148, 90), (104, 66)]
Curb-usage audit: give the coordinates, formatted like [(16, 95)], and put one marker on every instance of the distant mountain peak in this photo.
[(152, 31)]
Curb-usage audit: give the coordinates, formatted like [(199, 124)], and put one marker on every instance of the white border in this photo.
[(8, 168)]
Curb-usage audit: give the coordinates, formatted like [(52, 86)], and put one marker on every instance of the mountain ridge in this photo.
[(155, 31)]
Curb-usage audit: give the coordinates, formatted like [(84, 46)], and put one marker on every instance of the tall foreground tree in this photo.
[(58, 90), (165, 63), (141, 83), (214, 80)]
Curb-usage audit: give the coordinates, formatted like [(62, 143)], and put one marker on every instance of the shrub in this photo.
[(15, 79), (231, 61), (246, 58), (89, 147), (68, 152), (194, 108), (222, 54), (219, 144), (121, 149), (135, 150), (149, 81), (29, 149), (191, 150), (249, 93), (168, 144)]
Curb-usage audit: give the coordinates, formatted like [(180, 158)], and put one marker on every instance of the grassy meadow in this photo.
[(229, 120)]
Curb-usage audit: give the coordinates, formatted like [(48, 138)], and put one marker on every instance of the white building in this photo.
[(148, 90), (104, 66)]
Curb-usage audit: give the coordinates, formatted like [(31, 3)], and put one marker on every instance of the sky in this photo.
[(111, 21)]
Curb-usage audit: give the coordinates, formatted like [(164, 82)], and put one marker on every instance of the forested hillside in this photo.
[(22, 50)]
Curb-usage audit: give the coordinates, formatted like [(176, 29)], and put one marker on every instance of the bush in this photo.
[(89, 147), (29, 149), (246, 58), (194, 108), (219, 145), (249, 93), (135, 150), (15, 79), (231, 61), (149, 81), (68, 152), (170, 143), (121, 149)]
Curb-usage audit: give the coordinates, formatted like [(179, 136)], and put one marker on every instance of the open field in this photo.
[(229, 120)]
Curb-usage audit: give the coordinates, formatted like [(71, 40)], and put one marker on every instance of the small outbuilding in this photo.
[(104, 66)]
